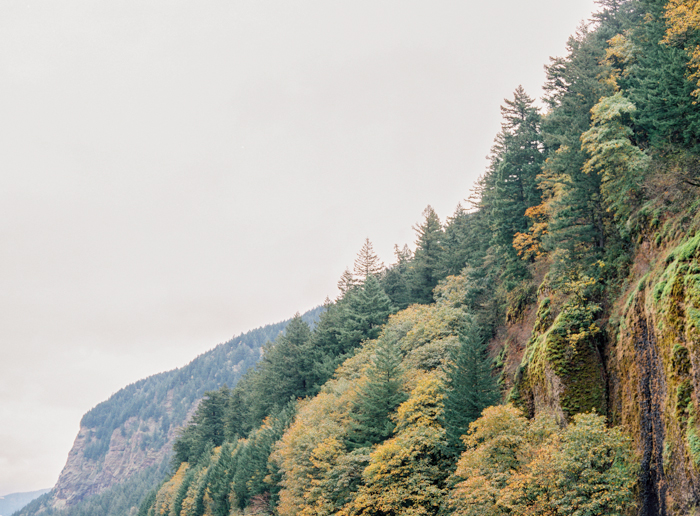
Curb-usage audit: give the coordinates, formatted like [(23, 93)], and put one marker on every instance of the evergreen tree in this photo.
[(463, 242), (396, 280), (283, 372), (367, 263), (366, 311), (206, 430), (658, 81), (517, 158), (346, 283), (326, 349), (578, 225), (221, 478), (427, 258), (469, 388), (237, 417), (377, 399)]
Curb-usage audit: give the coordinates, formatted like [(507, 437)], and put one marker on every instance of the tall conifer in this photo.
[(426, 262), (367, 262), (469, 388), (378, 399)]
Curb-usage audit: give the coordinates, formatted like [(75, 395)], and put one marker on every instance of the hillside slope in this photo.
[(578, 268), (129, 437)]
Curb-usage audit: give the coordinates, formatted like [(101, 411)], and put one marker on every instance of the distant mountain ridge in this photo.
[(124, 444), (15, 501)]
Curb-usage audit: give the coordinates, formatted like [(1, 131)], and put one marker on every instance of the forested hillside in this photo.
[(124, 445), (538, 352)]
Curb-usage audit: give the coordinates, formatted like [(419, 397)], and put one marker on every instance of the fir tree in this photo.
[(396, 280), (578, 225), (469, 388), (366, 311), (378, 399), (221, 477), (367, 263), (346, 283), (516, 160), (427, 258), (283, 372)]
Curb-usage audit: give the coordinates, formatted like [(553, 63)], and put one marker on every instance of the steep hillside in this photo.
[(130, 436), (15, 501), (578, 268)]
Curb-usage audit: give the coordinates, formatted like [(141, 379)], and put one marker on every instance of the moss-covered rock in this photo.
[(562, 369)]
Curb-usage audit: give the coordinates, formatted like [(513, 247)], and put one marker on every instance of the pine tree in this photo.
[(396, 280), (469, 388), (427, 258), (221, 476), (578, 225), (516, 160), (346, 283), (283, 372), (378, 399), (661, 82), (367, 263), (366, 311), (462, 242)]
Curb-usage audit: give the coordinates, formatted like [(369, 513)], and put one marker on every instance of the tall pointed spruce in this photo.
[(367, 262), (378, 399), (428, 256), (469, 387)]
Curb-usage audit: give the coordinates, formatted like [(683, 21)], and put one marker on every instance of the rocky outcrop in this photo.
[(655, 360), (128, 453)]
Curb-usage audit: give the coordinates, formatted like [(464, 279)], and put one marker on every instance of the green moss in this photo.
[(518, 300), (685, 251), (569, 349), (544, 316), (692, 288), (680, 360), (659, 288), (643, 282), (684, 392), (668, 451), (692, 439)]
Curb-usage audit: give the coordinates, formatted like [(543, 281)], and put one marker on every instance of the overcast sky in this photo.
[(174, 173)]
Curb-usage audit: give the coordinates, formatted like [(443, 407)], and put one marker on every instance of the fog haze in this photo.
[(174, 173)]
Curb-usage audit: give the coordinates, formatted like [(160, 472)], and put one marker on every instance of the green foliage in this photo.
[(367, 308), (621, 165), (469, 386), (283, 372), (516, 466), (428, 256), (578, 227), (379, 397), (406, 474), (657, 83), (510, 183)]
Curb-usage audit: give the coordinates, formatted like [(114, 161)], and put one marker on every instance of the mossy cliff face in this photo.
[(642, 370), (562, 369), (655, 361)]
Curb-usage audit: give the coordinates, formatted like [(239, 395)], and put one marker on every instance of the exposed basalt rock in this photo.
[(654, 364), (128, 454), (651, 390), (562, 371)]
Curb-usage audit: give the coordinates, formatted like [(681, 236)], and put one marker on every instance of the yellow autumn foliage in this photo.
[(682, 23)]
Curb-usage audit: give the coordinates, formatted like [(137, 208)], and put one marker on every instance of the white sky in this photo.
[(173, 173)]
